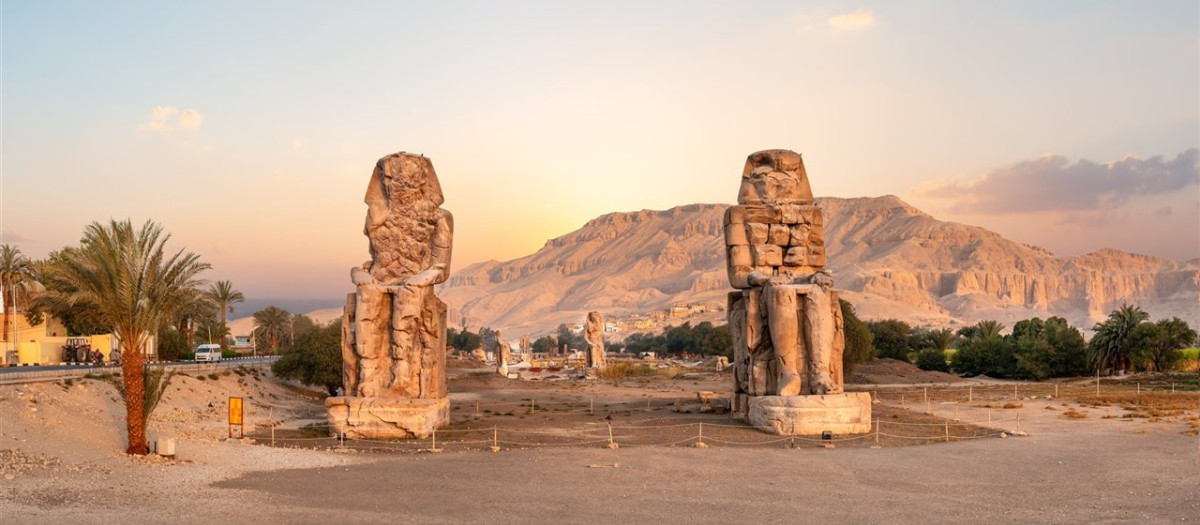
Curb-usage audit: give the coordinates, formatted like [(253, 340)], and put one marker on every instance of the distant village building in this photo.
[(43, 343)]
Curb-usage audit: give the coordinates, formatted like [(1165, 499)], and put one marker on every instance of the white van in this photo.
[(211, 353)]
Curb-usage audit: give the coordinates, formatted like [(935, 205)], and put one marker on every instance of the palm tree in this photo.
[(224, 296), (273, 325), (16, 279), (988, 328), (1112, 346), (940, 340), (199, 307), (135, 287)]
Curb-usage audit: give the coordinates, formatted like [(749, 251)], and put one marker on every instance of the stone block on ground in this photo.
[(386, 418), (842, 414)]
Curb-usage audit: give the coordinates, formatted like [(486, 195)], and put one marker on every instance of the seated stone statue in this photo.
[(394, 334), (785, 320)]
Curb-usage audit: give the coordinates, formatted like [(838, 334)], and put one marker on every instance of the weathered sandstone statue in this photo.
[(593, 333), (394, 328), (503, 355), (785, 319)]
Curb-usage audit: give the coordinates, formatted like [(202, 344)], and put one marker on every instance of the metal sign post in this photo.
[(235, 417)]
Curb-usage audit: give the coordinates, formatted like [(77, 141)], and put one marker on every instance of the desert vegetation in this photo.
[(130, 282), (1038, 349), (315, 357)]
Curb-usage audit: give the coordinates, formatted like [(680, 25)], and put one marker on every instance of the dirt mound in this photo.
[(890, 371)]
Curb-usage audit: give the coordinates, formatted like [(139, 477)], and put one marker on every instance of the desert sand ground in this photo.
[(61, 460)]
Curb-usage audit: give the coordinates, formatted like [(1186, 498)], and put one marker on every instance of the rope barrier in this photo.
[(627, 435)]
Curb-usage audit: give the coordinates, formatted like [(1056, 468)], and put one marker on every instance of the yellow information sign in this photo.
[(235, 411)]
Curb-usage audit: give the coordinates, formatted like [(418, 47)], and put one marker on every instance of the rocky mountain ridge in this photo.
[(889, 259)]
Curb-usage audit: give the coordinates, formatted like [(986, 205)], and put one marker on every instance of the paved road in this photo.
[(44, 368), (30, 374)]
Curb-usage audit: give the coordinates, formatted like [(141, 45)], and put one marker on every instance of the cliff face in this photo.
[(619, 264), (890, 259)]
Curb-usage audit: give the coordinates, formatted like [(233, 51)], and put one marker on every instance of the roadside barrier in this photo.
[(33, 374)]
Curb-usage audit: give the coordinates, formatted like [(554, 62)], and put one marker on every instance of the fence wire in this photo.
[(978, 413)]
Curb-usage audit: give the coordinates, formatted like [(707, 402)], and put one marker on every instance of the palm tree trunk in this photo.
[(223, 329), (7, 312), (135, 394)]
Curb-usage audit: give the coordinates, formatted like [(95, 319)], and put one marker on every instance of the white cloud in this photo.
[(860, 19), (190, 119), (1054, 184), (166, 119)]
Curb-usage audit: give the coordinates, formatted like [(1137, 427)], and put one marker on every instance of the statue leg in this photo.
[(736, 309), (349, 355), (782, 307), (406, 342), (819, 333), (372, 338)]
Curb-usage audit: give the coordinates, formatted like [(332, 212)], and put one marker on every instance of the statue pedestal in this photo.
[(841, 414), (386, 418)]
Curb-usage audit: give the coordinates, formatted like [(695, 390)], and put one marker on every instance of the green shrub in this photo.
[(891, 338), (992, 356), (933, 360), (314, 359), (859, 339)]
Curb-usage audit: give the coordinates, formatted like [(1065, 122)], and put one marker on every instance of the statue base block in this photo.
[(842, 414), (386, 418)]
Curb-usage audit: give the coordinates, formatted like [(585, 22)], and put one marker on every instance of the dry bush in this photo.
[(615, 371), (1006, 405), (1071, 413), (1147, 404)]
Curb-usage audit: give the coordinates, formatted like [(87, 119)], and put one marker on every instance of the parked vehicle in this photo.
[(77, 350), (209, 352)]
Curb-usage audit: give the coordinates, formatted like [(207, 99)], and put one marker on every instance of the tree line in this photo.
[(1127, 341)]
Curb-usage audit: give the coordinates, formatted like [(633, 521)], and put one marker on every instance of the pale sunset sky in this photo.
[(249, 129)]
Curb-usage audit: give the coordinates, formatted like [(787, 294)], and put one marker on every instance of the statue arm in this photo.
[(439, 270)]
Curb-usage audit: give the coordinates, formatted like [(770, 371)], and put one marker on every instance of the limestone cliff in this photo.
[(889, 258)]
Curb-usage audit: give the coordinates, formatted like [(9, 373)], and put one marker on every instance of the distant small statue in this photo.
[(593, 333), (503, 355)]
